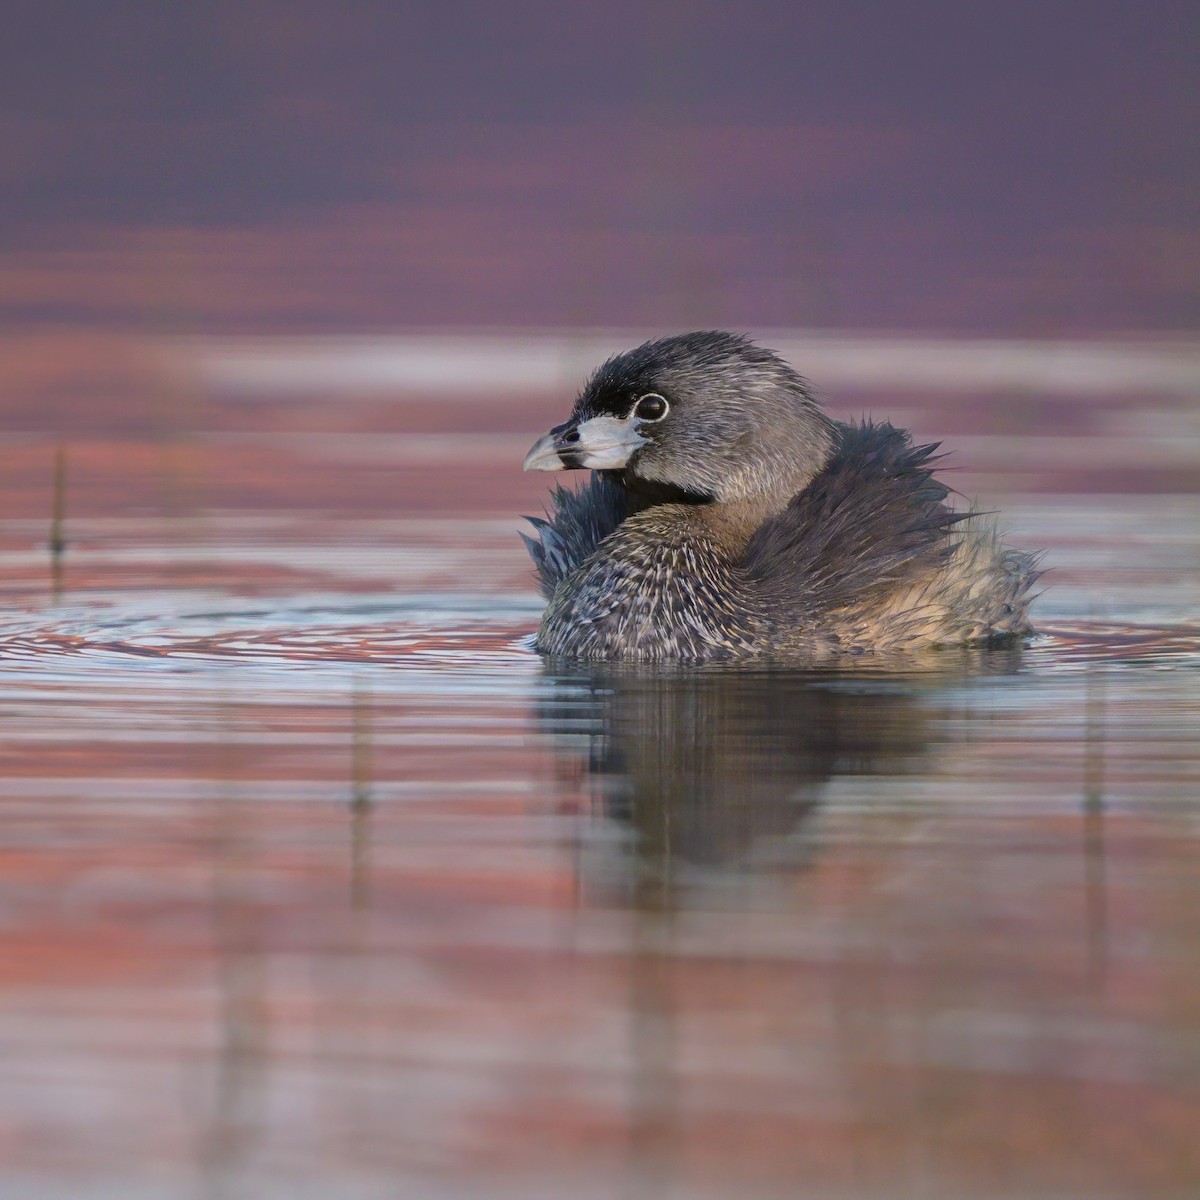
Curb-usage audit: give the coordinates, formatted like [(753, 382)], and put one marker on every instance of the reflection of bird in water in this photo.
[(707, 766), (730, 518)]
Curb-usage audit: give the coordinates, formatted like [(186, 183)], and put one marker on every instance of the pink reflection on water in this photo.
[(314, 879)]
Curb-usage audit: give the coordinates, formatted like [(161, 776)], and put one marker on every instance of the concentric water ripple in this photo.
[(453, 630)]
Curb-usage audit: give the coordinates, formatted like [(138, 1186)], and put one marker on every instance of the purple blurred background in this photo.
[(1005, 170)]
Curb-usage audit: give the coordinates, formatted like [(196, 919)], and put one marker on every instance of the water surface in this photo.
[(317, 881)]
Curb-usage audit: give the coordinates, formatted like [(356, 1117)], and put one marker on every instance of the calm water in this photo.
[(317, 882)]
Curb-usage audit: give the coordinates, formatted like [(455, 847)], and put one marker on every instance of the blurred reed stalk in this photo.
[(58, 515), (237, 1063), (653, 1033), (360, 797), (1095, 701)]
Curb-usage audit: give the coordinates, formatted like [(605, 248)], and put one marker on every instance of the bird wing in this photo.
[(874, 518)]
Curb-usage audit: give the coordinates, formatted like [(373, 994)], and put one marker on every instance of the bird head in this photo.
[(709, 414)]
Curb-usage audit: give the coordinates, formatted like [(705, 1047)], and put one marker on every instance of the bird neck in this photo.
[(732, 523), (724, 525)]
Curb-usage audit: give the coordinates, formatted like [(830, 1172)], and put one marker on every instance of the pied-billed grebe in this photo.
[(728, 517)]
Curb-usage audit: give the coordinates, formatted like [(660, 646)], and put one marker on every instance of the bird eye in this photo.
[(651, 407)]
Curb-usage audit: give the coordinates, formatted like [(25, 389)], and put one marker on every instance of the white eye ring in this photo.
[(656, 409)]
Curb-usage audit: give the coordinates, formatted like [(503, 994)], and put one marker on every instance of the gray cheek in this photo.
[(690, 465)]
